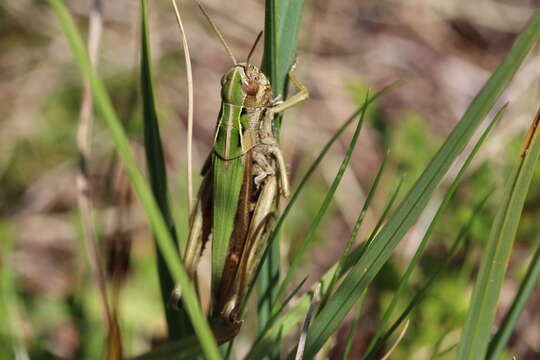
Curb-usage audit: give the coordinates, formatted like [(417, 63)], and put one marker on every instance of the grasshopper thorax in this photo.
[(246, 85)]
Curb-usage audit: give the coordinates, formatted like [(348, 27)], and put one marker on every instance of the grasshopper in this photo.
[(243, 178)]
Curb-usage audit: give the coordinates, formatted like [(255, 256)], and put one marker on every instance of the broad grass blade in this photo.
[(477, 330)]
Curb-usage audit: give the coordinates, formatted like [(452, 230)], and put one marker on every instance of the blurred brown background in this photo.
[(443, 51)]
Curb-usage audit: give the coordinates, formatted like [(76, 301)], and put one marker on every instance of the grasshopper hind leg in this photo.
[(199, 233)]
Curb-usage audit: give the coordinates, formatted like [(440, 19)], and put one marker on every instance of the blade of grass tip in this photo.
[(84, 187), (396, 343), (365, 270), (477, 330), (307, 321), (189, 77), (313, 167), (417, 299), (500, 339), (354, 233), (326, 203), (10, 324), (155, 218), (177, 323), (434, 221), (354, 326)]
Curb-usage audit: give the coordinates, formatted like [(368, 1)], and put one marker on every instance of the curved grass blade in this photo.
[(477, 329), (396, 343), (177, 323), (420, 250), (144, 194), (499, 340), (363, 272)]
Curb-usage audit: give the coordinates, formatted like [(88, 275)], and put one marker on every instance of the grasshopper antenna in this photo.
[(253, 47), (216, 30)]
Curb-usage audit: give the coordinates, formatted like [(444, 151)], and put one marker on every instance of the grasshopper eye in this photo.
[(251, 87)]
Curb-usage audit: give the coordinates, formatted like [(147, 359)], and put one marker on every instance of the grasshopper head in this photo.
[(246, 85)]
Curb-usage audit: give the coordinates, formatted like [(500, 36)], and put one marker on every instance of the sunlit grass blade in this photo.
[(396, 343), (477, 330), (363, 272), (177, 323), (529, 283), (419, 296), (435, 221), (141, 188)]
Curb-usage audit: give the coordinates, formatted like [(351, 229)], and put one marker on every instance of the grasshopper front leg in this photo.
[(301, 96)]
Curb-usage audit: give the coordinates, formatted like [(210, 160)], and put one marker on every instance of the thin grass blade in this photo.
[(477, 330), (529, 283)]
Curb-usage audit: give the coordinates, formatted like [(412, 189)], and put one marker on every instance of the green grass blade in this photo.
[(527, 286), (412, 206), (477, 329), (141, 188), (177, 324), (420, 250), (281, 27)]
